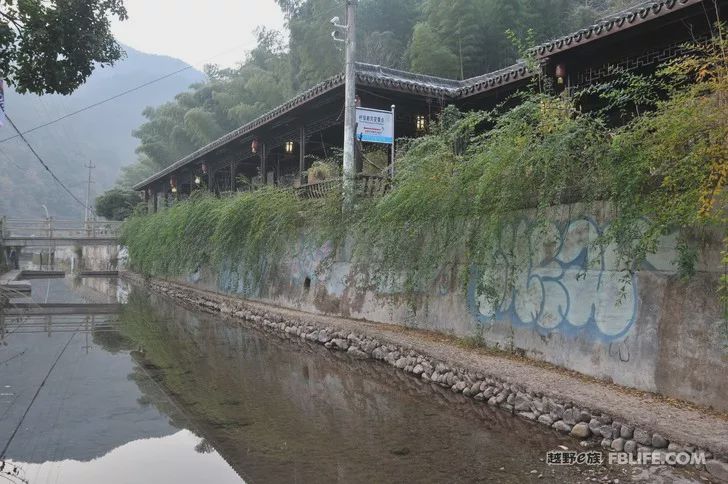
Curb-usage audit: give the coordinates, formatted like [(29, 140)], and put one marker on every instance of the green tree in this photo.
[(52, 46), (117, 204), (230, 98), (385, 29), (428, 56), (313, 55)]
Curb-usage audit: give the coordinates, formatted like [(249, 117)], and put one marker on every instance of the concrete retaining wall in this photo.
[(100, 257), (571, 305)]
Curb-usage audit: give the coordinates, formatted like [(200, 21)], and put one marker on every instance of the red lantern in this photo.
[(254, 146), (173, 181)]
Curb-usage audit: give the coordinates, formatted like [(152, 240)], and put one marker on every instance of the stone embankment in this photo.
[(616, 418)]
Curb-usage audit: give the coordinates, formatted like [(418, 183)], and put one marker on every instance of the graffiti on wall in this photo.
[(565, 283)]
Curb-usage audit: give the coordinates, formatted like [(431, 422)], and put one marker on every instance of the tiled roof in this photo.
[(367, 75), (625, 19), (370, 76), (494, 80)]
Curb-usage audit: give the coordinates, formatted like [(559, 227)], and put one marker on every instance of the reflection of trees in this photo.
[(273, 407), (112, 341), (204, 447)]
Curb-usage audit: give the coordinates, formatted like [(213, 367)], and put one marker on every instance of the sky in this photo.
[(198, 32)]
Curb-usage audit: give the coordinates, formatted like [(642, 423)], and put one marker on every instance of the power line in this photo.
[(91, 106), (45, 165)]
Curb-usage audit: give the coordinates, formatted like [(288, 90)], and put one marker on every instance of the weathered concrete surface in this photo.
[(627, 415), (100, 258)]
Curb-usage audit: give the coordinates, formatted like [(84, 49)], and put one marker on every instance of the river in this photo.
[(155, 393)]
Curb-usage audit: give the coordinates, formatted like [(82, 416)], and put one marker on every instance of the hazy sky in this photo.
[(198, 32)]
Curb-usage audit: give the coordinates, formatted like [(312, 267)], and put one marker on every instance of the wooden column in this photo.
[(263, 163), (211, 182), (301, 152), (277, 171), (232, 175)]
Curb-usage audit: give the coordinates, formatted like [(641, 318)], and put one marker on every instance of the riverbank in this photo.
[(603, 414)]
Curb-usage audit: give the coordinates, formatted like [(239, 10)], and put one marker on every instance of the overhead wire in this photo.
[(45, 165), (96, 104)]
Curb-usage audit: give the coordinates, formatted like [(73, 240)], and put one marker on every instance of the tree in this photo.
[(117, 203), (52, 46), (385, 29), (428, 56), (313, 55)]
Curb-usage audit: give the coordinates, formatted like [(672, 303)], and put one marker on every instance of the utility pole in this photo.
[(350, 102), (87, 216)]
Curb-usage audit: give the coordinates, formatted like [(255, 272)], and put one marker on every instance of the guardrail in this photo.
[(57, 229)]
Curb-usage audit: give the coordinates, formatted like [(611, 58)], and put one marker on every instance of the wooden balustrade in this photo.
[(365, 186)]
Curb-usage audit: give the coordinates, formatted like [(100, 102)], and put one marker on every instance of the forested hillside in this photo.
[(453, 38), (102, 135)]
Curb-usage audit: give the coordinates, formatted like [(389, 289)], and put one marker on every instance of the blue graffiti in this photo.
[(566, 284)]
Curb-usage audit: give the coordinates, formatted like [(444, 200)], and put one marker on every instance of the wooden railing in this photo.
[(318, 189), (365, 186)]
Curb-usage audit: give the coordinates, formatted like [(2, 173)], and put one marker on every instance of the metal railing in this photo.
[(51, 228)]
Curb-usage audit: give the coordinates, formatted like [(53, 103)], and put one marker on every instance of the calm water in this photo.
[(159, 394)]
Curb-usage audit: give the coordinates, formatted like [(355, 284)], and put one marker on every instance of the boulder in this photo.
[(580, 430), (562, 426)]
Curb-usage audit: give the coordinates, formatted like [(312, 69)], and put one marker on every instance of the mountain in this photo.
[(101, 135)]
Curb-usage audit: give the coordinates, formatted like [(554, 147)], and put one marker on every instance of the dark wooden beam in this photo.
[(301, 151), (263, 163)]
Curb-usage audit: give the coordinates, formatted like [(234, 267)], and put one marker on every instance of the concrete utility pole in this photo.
[(350, 102), (87, 216)]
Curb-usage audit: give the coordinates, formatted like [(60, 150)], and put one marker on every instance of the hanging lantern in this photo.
[(289, 147), (560, 73), (174, 189), (204, 168), (420, 123), (198, 180), (255, 146), (173, 182)]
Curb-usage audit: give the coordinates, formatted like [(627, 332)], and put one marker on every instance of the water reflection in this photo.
[(163, 394), (73, 408), (287, 411), (165, 460)]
